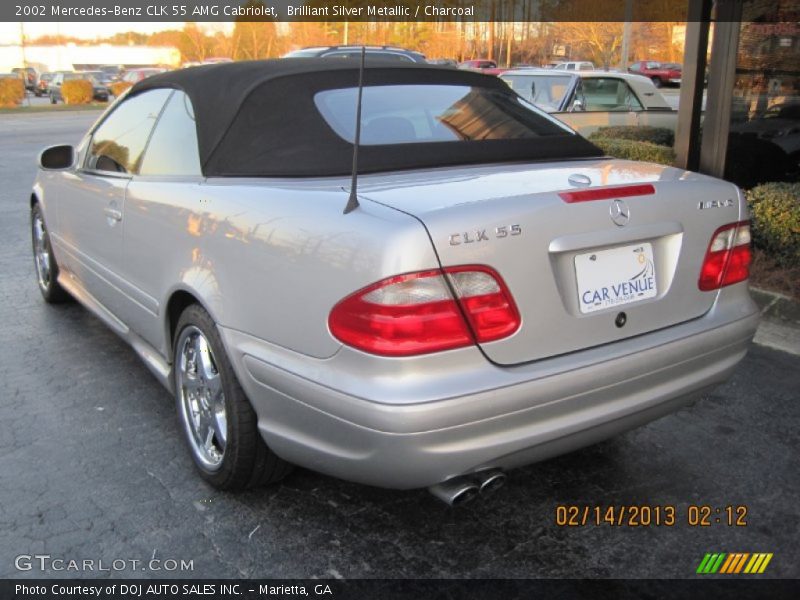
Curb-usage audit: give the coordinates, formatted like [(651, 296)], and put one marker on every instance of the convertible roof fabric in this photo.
[(259, 119)]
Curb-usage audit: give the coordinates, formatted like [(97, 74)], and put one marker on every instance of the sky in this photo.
[(10, 32)]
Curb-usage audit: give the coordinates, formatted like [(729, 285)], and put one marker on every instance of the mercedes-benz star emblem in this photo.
[(620, 213)]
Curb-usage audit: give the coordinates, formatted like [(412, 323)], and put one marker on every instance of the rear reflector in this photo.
[(624, 191), (416, 313), (728, 257)]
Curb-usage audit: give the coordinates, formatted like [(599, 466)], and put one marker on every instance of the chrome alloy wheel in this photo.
[(201, 399), (41, 251)]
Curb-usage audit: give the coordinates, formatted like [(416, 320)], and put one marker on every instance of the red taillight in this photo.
[(728, 257), (416, 313)]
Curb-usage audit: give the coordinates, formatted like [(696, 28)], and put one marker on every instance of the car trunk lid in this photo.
[(571, 263)]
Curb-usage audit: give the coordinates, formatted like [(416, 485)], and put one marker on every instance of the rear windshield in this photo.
[(408, 114), (303, 124)]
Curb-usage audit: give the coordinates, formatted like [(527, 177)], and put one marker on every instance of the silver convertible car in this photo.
[(496, 291)]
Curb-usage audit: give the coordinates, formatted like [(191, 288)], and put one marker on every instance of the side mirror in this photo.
[(577, 106), (57, 158)]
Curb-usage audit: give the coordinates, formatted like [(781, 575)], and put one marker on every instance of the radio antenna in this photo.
[(352, 201)]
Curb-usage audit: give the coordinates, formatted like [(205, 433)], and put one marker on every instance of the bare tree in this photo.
[(597, 40)]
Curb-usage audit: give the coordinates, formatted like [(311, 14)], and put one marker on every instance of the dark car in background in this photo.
[(112, 72), (30, 76), (766, 147), (99, 91), (101, 77), (659, 73), (371, 52), (43, 85)]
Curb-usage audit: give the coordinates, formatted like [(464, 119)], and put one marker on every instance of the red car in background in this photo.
[(136, 75), (484, 65), (659, 73)]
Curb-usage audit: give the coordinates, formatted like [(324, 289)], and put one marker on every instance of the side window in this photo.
[(571, 67), (117, 145), (173, 146), (607, 94), (393, 56), (370, 55)]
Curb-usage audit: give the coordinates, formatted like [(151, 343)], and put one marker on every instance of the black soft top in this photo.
[(258, 119)]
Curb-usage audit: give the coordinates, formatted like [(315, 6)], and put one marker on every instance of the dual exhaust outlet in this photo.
[(462, 489)]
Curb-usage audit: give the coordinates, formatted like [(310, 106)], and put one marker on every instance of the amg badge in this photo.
[(704, 204)]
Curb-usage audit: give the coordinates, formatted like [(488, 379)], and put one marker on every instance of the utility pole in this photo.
[(510, 35), (626, 36), (22, 42), (24, 61)]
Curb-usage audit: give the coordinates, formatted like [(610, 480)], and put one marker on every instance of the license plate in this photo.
[(615, 277)]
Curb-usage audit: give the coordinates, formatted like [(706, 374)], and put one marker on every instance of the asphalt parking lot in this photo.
[(92, 465)]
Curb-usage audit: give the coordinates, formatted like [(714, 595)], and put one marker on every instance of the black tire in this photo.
[(657, 82), (246, 459), (51, 290)]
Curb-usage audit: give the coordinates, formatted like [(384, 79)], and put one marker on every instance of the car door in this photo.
[(601, 102), (165, 218), (91, 198)]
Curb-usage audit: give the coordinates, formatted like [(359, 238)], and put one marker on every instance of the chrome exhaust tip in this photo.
[(490, 481), (456, 491)]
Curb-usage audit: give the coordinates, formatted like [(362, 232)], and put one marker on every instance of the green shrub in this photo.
[(120, 86), (775, 209), (12, 91), (644, 133), (632, 150), (77, 91)]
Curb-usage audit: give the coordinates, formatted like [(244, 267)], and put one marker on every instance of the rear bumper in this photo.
[(413, 423)]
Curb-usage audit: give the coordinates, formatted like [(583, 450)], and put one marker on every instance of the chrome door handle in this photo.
[(113, 213)]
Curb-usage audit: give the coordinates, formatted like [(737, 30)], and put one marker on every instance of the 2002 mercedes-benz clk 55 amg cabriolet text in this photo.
[(496, 292)]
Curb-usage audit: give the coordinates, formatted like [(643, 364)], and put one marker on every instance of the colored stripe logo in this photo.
[(734, 563)]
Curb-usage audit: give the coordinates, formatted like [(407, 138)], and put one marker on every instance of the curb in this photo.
[(780, 321)]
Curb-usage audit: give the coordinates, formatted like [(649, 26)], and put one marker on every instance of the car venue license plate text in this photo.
[(614, 277)]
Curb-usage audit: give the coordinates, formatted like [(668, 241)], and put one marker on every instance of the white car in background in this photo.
[(588, 100), (578, 65)]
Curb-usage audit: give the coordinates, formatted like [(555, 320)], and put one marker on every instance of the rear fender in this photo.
[(201, 284)]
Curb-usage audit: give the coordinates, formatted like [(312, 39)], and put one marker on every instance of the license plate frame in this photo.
[(615, 277)]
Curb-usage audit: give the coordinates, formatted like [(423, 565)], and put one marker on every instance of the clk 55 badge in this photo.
[(480, 235)]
